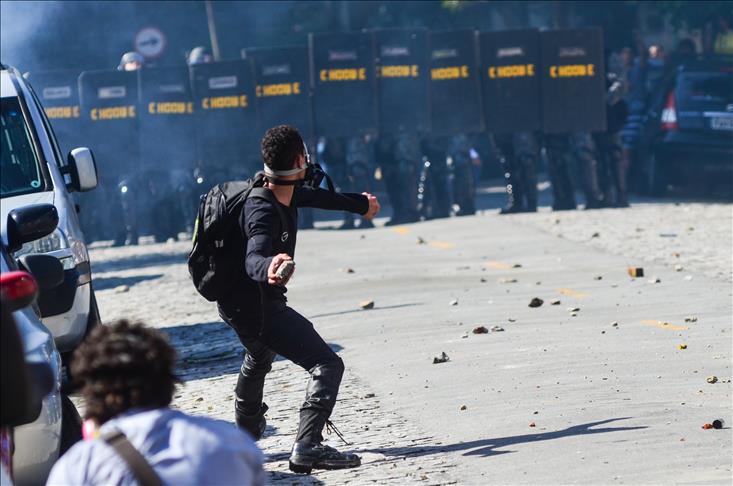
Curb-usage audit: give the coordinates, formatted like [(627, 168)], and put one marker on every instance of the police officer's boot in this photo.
[(254, 424), (309, 452)]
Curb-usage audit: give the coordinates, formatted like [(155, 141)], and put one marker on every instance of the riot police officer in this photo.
[(127, 190), (334, 155), (398, 158), (359, 173), (464, 186), (612, 168), (518, 155), (434, 192)]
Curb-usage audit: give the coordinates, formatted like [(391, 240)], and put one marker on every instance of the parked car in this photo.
[(32, 171), (695, 141), (53, 425)]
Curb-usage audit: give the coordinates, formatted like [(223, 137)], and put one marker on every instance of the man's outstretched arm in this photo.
[(364, 204)]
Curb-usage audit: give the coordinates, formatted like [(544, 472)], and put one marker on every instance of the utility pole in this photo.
[(212, 30)]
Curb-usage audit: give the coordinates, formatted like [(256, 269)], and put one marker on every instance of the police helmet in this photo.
[(129, 58), (199, 55)]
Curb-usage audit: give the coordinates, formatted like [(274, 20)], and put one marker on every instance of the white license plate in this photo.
[(721, 123)]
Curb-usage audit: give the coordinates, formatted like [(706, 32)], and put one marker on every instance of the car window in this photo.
[(709, 90), (20, 171)]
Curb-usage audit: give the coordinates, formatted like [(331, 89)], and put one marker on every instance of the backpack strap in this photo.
[(267, 195), (140, 467)]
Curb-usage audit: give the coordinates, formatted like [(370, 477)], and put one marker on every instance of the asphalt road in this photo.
[(602, 394)]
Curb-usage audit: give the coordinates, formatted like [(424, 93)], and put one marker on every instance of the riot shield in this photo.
[(227, 120), (167, 123), (342, 77), (58, 92), (455, 99), (402, 80), (510, 78), (283, 87), (573, 81), (108, 101)]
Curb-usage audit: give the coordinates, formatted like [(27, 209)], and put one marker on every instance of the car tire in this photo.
[(657, 183), (70, 425)]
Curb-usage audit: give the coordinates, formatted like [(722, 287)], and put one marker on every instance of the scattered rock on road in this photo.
[(421, 240), (573, 309), (480, 330), (367, 304), (712, 379), (443, 358), (536, 302), (348, 270), (681, 346), (555, 302), (655, 280), (691, 319), (453, 302), (463, 407), (497, 329), (636, 272), (507, 280)]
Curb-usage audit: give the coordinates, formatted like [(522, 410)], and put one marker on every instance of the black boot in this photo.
[(254, 424), (310, 453)]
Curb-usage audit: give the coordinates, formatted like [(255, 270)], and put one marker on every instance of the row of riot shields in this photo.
[(343, 85), (450, 82)]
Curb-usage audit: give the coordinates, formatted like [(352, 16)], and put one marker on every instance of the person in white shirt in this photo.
[(127, 379)]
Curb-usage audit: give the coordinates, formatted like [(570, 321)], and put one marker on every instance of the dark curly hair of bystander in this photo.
[(123, 366)]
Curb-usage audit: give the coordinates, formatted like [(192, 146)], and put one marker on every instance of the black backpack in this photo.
[(216, 260)]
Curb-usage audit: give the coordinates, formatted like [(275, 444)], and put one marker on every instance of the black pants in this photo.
[(285, 332)]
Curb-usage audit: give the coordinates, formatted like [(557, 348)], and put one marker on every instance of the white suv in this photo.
[(34, 171)]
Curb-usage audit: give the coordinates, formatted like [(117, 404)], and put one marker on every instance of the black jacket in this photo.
[(260, 224)]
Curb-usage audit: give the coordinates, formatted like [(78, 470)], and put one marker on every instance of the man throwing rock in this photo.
[(257, 307)]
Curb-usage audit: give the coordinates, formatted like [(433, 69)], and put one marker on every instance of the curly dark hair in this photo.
[(122, 366), (280, 146)]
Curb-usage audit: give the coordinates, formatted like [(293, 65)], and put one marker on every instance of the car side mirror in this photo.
[(83, 169), (29, 223), (46, 269)]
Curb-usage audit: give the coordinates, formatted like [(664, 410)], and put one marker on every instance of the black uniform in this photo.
[(266, 326), (518, 154)]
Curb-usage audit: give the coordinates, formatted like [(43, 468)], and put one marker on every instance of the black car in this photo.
[(695, 142)]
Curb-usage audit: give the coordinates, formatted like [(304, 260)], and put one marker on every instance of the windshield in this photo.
[(20, 172)]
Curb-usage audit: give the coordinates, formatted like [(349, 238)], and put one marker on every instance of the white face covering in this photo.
[(290, 172)]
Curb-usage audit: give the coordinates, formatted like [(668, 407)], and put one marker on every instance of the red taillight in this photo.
[(18, 289), (669, 113)]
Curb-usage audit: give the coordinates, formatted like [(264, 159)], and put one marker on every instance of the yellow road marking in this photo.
[(443, 245), (498, 265), (664, 325), (572, 293)]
